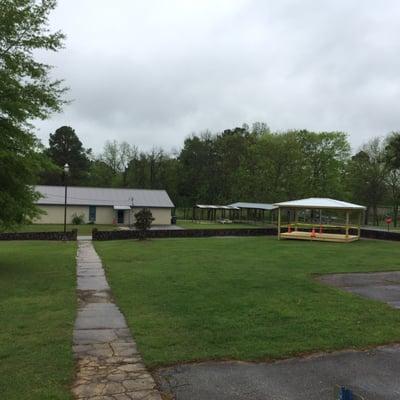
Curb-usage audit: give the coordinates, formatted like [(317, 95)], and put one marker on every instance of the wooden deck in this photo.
[(325, 237)]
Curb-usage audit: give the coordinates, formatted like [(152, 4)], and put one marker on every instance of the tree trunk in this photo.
[(375, 215), (366, 216)]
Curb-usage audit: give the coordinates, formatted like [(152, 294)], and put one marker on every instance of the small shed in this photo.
[(324, 219)]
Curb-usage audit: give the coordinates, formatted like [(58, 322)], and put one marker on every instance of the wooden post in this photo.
[(296, 219), (359, 224), (279, 223), (347, 224)]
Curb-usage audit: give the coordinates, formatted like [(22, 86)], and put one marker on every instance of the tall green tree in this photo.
[(26, 93), (66, 148), (154, 170), (100, 174), (272, 170), (325, 157), (118, 155), (392, 158), (366, 177), (199, 176), (392, 181), (392, 150)]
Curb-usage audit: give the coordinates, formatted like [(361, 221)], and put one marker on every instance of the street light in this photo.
[(66, 170), (130, 213)]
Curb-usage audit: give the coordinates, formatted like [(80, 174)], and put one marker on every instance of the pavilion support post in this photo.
[(279, 223), (296, 219), (347, 224), (359, 224)]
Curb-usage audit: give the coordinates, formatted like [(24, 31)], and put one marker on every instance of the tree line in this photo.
[(240, 164)]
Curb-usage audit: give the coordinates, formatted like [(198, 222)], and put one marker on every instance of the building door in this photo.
[(92, 213), (120, 216)]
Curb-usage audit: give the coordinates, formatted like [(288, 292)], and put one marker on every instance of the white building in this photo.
[(102, 205)]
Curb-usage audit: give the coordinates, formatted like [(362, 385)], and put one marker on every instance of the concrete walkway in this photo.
[(109, 366)]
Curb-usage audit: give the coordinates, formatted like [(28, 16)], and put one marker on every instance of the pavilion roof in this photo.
[(215, 207), (320, 202), (257, 206)]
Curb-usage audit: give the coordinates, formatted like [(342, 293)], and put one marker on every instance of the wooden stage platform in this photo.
[(325, 237)]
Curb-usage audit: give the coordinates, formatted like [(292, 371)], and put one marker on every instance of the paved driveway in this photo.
[(372, 375), (382, 286)]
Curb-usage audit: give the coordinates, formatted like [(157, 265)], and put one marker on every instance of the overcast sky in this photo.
[(152, 72)]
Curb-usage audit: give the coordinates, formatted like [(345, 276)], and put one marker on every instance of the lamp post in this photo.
[(130, 213), (66, 170)]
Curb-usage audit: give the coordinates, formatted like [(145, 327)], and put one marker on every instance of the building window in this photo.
[(92, 213)]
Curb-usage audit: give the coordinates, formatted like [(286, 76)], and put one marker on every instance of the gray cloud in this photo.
[(151, 72)]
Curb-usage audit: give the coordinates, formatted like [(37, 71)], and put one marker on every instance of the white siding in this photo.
[(104, 215), (162, 216), (55, 214)]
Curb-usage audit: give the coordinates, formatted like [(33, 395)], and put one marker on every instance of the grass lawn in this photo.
[(37, 309), (246, 298), (216, 225), (85, 229)]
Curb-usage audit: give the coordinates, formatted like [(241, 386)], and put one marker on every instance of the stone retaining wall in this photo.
[(188, 233), (382, 235), (70, 235), (118, 235), (177, 233)]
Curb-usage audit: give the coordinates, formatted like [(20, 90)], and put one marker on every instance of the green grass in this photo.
[(85, 229), (216, 225), (246, 298), (37, 309)]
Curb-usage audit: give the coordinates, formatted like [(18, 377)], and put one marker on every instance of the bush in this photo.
[(78, 219), (143, 218)]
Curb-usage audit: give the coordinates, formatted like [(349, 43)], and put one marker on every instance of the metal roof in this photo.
[(258, 206), (94, 196), (317, 202), (213, 207)]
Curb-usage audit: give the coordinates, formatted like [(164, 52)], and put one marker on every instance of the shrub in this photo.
[(143, 220), (78, 219)]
